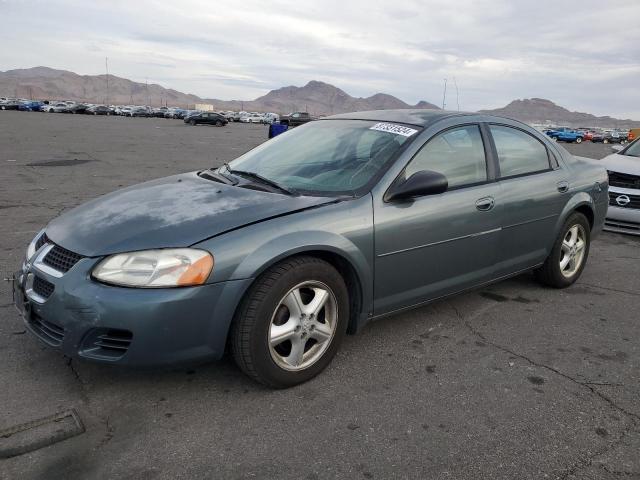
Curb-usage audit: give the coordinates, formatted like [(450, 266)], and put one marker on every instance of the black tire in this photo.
[(218, 123), (249, 335), (192, 123), (549, 273)]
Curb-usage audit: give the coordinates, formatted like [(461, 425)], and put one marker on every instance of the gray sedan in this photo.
[(623, 167), (279, 254)]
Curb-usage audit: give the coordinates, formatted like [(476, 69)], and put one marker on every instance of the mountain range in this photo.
[(316, 97)]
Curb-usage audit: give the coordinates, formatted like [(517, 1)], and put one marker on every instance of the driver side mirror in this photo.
[(420, 184)]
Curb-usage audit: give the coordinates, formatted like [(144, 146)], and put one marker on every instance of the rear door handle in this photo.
[(563, 186), (485, 204)]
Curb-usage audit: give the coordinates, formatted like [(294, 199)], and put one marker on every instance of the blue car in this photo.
[(566, 135), (279, 254), (30, 106)]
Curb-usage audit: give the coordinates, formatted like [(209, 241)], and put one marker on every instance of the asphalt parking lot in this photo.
[(514, 381)]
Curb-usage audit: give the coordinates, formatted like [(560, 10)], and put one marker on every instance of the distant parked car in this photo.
[(30, 106), (623, 167), (208, 118), (633, 134), (252, 119), (174, 113), (270, 118), (608, 137), (9, 104), (587, 135), (59, 107), (296, 118), (99, 110), (565, 134), (158, 112), (79, 108), (139, 112)]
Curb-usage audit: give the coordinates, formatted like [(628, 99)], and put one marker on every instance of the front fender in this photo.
[(344, 229), (287, 245)]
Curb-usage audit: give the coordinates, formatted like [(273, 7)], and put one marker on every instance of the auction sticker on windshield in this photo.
[(393, 128)]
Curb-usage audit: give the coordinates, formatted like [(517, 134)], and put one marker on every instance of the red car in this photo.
[(587, 136)]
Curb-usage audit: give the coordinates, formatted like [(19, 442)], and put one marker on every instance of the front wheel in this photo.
[(218, 123), (291, 322), (578, 140), (568, 257), (605, 141), (192, 123)]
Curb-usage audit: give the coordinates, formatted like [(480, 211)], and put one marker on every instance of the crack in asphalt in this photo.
[(84, 396), (635, 294), (583, 462)]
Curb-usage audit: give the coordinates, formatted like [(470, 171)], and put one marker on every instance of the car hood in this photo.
[(176, 211), (622, 163)]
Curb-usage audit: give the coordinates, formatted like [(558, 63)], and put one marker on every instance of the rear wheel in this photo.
[(218, 123), (578, 140), (291, 322), (605, 140), (568, 257), (192, 123)]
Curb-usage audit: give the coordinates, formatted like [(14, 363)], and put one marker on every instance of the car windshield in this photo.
[(633, 150), (327, 157)]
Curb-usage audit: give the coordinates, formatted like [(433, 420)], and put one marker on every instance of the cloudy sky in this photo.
[(584, 55)]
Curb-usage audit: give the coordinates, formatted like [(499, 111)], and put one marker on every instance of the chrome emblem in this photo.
[(622, 200)]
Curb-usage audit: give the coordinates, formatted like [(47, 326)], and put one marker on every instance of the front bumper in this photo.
[(128, 326), (622, 219)]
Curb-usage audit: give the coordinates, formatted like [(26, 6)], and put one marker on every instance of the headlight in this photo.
[(31, 249), (172, 267)]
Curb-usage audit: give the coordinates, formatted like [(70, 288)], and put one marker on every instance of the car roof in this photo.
[(418, 117)]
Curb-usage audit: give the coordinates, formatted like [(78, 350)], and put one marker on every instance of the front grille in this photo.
[(49, 332), (108, 343), (42, 287), (61, 259), (624, 180), (634, 200)]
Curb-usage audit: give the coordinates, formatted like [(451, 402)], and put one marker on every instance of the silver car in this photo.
[(623, 167)]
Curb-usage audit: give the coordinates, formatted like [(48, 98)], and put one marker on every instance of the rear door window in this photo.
[(519, 153)]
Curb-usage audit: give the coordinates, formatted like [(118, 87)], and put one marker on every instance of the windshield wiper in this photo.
[(217, 177), (260, 178)]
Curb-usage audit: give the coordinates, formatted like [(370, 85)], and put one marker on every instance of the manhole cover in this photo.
[(39, 433), (65, 162)]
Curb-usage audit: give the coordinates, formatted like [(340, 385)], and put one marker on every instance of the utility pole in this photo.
[(444, 94), (457, 96), (106, 67), (146, 82)]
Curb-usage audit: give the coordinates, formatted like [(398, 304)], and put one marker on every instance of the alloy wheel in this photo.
[(572, 250), (303, 325)]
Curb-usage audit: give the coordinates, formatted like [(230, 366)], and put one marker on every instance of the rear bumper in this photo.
[(127, 326)]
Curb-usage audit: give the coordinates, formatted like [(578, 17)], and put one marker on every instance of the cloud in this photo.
[(582, 55)]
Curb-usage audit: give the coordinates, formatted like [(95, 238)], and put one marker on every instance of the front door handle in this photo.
[(485, 204), (563, 186)]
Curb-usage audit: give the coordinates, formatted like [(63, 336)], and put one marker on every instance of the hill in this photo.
[(316, 97), (541, 111)]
